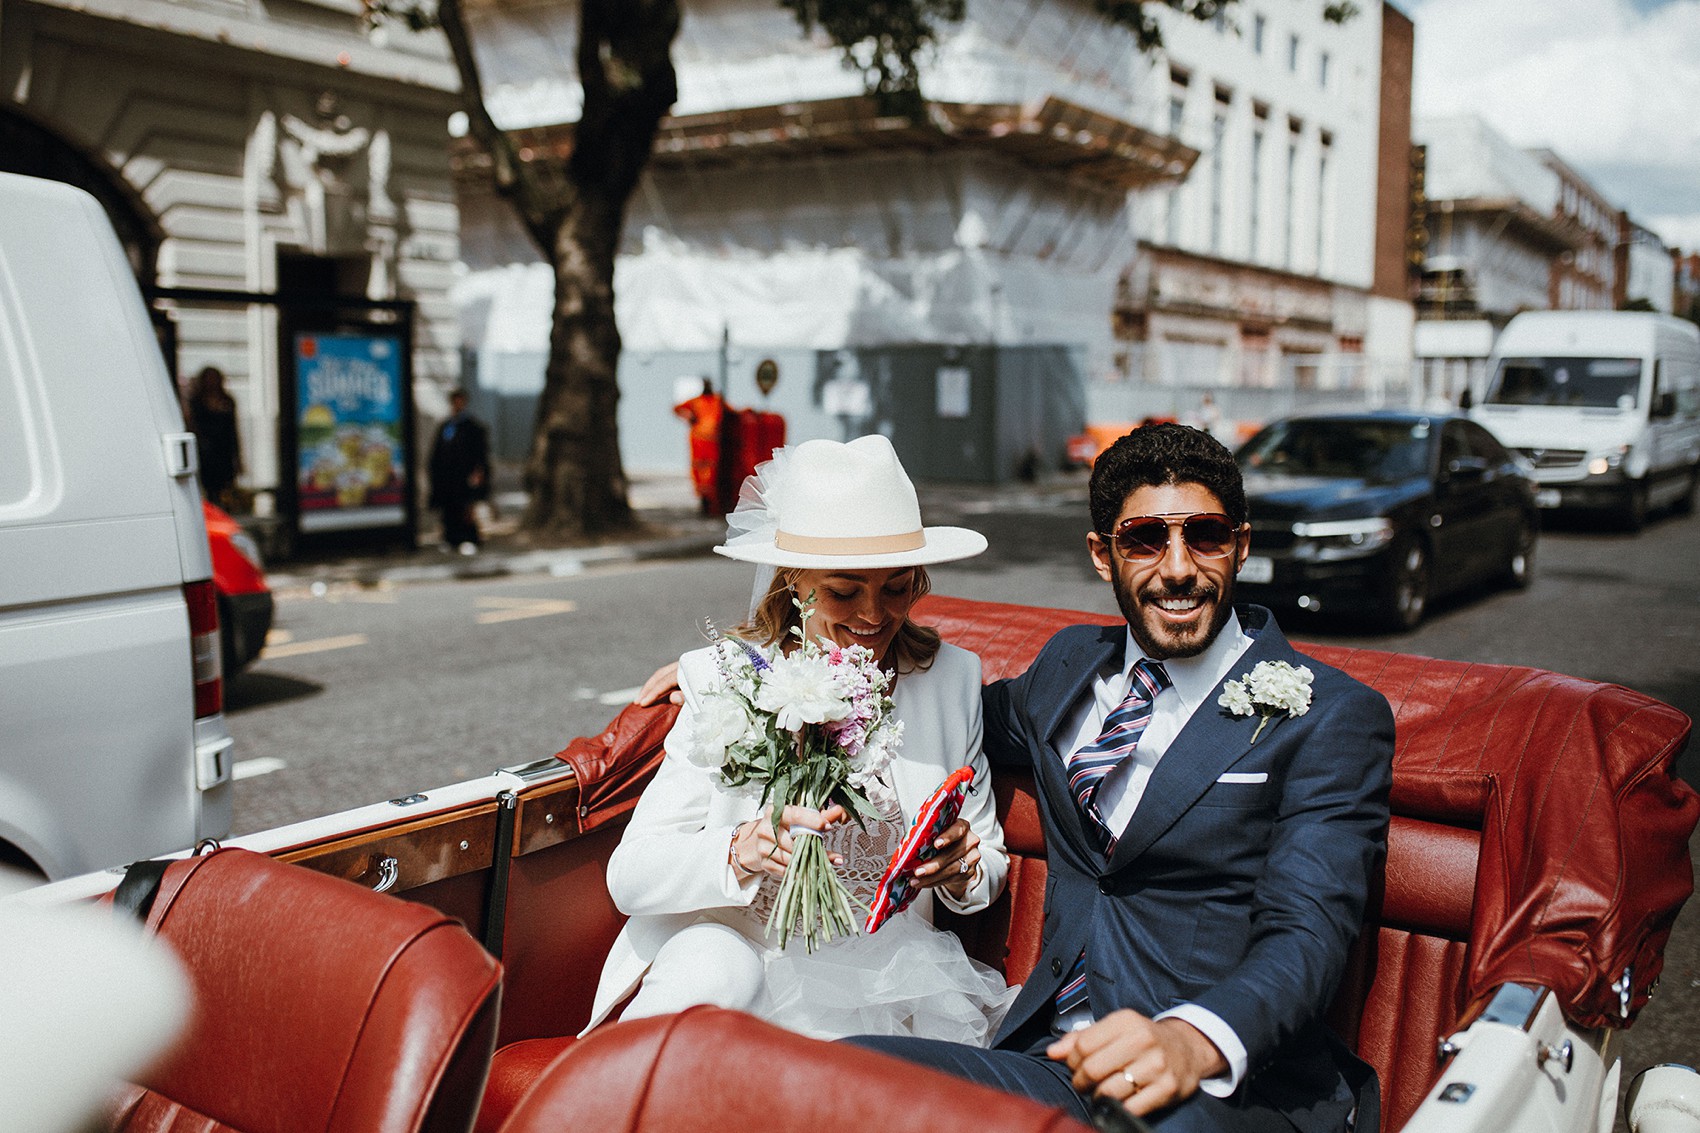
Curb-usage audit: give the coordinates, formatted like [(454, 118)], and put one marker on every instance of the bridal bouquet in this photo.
[(811, 727)]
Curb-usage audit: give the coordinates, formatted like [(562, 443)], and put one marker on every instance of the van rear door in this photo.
[(100, 531)]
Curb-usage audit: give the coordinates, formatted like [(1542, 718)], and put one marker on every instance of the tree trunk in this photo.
[(574, 474)]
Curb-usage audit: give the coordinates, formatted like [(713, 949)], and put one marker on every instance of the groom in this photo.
[(1208, 868)]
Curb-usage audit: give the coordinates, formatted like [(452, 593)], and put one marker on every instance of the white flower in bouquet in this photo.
[(800, 690), (720, 722)]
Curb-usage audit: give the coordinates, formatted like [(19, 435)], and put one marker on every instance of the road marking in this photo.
[(513, 609), (319, 645), (251, 768), (619, 696)]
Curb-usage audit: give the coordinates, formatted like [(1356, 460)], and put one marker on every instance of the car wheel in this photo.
[(1520, 567), (1635, 507), (1405, 597)]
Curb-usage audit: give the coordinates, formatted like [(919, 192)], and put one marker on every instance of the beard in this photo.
[(1160, 642)]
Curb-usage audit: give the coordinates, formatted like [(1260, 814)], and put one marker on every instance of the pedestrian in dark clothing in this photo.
[(212, 418), (460, 473)]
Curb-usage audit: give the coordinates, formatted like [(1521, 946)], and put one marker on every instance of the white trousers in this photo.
[(706, 962)]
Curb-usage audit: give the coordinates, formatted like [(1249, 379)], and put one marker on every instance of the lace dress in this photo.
[(908, 978)]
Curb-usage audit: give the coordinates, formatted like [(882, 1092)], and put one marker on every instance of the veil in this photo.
[(755, 517)]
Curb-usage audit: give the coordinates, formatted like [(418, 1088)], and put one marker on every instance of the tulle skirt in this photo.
[(908, 978)]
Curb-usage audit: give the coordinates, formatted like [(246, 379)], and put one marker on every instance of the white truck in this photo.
[(113, 743), (1604, 404)]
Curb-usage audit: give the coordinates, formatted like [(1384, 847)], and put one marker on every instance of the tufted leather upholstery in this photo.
[(660, 1075), (1539, 834), (319, 1006)]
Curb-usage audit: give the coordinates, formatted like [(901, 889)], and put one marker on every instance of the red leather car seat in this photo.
[(710, 1070), (320, 1007)]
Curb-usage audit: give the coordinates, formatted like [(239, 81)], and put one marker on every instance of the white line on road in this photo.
[(619, 696), (512, 609), (250, 768), (319, 645)]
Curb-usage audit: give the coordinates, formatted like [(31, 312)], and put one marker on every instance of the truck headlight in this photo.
[(1342, 538), (1608, 461)]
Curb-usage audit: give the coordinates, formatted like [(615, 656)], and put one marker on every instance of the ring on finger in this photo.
[(1127, 1076), (962, 866)]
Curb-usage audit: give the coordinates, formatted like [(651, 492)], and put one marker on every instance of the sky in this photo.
[(1611, 86)]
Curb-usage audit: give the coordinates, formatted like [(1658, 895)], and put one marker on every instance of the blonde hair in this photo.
[(911, 651)]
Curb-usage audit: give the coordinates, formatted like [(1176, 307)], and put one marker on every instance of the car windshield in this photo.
[(1369, 450), (1587, 382)]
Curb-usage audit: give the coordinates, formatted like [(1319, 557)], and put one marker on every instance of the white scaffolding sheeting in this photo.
[(731, 54)]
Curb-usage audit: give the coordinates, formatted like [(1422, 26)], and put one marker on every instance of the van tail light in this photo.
[(204, 644)]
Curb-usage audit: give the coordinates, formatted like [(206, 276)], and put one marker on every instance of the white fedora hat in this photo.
[(829, 505)]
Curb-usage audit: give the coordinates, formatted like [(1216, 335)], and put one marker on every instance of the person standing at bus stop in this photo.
[(460, 473), (705, 413)]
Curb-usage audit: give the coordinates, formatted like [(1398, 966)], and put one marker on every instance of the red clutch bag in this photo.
[(897, 888)]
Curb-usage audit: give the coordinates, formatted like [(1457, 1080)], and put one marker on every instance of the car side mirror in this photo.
[(1664, 404), (1466, 470)]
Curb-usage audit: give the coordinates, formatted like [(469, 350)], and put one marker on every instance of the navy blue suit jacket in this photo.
[(1242, 897)]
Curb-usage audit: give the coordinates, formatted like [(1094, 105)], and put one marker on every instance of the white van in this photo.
[(113, 744), (1605, 404)]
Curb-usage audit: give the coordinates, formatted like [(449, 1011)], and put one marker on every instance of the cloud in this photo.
[(1610, 85)]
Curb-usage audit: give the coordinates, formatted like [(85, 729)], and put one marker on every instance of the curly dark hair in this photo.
[(1164, 453)]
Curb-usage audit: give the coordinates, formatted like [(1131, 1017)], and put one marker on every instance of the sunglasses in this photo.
[(1206, 534)]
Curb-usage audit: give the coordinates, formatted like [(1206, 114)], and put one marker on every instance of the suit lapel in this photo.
[(1211, 742), (1071, 681)]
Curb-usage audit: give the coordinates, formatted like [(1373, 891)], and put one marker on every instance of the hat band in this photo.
[(850, 545)]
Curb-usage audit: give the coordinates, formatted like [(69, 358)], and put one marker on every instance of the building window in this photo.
[(1257, 28), (1293, 54), (1322, 70), (1259, 131), (1294, 128), (1322, 209), (1178, 83), (1218, 141)]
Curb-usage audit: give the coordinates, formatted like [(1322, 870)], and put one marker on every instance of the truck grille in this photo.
[(1553, 457)]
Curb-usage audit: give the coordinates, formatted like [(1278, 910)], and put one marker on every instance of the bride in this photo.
[(697, 868)]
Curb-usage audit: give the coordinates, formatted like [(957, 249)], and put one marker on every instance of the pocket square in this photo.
[(1244, 777)]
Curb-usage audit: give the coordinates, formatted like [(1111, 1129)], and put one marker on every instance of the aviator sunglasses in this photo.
[(1206, 534)]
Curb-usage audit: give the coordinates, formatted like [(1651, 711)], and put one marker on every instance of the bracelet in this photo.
[(738, 871)]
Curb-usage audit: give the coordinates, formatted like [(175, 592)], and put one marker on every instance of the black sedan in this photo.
[(1376, 513)]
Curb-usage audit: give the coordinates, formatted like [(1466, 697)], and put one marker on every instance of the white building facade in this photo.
[(1274, 275)]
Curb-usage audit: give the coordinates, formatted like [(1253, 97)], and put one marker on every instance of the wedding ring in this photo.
[(962, 866), (1127, 1076)]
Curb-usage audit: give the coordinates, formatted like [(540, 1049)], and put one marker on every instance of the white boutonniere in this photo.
[(1271, 687)]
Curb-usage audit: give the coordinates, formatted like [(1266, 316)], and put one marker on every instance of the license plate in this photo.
[(1547, 497), (1258, 568)]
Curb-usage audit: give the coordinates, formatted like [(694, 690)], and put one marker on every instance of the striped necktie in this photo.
[(1122, 729), (1086, 770)]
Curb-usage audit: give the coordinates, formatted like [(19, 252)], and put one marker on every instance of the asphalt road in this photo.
[(373, 692)]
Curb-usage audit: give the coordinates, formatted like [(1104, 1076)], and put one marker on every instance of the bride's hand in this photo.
[(664, 682), (957, 863), (756, 848)]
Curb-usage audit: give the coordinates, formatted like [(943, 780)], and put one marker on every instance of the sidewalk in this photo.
[(669, 526)]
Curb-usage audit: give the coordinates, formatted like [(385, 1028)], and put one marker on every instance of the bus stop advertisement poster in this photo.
[(350, 421)]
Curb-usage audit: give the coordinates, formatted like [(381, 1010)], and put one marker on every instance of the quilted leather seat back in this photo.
[(320, 1007)]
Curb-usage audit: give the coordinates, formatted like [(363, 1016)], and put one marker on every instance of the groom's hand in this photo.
[(1145, 1064)]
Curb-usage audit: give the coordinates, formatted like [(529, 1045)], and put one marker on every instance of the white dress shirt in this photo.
[(1192, 679)]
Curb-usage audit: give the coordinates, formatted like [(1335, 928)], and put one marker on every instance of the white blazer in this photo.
[(671, 864)]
